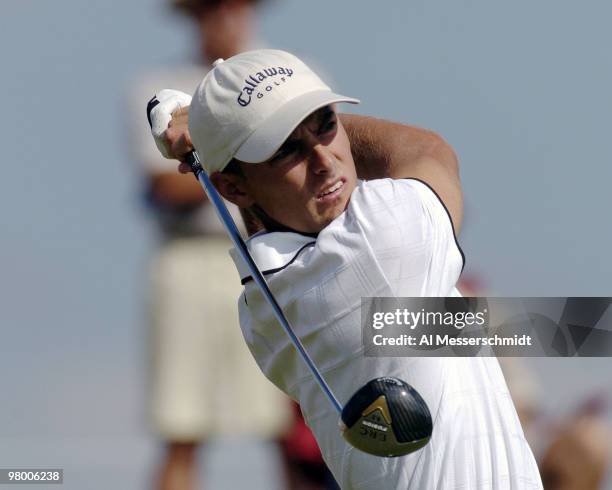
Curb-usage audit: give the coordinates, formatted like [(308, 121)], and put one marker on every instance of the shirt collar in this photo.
[(271, 251)]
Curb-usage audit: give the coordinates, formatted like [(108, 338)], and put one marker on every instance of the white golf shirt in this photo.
[(394, 239)]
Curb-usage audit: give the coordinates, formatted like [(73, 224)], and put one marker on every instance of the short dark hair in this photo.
[(191, 6)]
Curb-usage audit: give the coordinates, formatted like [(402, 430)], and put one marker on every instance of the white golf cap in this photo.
[(247, 106)]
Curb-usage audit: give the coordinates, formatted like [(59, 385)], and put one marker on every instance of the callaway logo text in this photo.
[(252, 82)]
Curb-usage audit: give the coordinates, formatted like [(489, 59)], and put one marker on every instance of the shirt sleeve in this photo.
[(439, 217), (411, 234)]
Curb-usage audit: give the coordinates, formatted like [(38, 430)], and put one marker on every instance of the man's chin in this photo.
[(337, 211)]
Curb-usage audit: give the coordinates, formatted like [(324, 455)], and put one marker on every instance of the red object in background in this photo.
[(471, 285), (299, 443)]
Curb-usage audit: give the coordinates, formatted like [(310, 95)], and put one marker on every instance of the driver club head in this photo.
[(386, 417)]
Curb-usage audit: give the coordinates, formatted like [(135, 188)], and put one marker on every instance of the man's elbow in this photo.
[(439, 149), (439, 167)]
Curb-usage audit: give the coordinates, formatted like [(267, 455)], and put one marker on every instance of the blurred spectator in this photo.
[(578, 457), (205, 382)]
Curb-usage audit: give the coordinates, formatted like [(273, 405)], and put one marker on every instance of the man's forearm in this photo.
[(386, 149)]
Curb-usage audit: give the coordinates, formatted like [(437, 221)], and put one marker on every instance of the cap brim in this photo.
[(272, 133)]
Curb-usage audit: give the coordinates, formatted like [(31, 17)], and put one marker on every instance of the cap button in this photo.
[(217, 62)]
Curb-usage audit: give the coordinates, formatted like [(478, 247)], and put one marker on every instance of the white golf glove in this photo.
[(161, 114)]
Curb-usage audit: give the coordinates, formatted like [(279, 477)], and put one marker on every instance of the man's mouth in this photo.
[(331, 192)]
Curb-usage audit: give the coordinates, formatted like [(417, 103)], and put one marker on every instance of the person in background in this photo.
[(204, 382)]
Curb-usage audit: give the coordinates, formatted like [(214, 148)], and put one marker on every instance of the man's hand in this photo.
[(168, 114), (170, 125)]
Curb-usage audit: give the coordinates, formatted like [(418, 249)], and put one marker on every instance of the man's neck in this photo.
[(271, 225)]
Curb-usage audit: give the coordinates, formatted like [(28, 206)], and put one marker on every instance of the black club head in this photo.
[(387, 417)]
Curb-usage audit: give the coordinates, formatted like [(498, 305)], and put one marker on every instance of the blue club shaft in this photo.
[(258, 277)]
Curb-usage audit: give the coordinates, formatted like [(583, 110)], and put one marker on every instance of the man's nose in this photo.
[(322, 160)]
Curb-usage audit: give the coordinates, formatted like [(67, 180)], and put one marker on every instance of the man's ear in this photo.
[(233, 188)]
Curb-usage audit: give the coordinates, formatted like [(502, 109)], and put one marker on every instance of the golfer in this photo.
[(352, 207)]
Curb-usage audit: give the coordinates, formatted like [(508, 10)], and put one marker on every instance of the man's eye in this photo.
[(279, 156), (328, 126), (285, 151)]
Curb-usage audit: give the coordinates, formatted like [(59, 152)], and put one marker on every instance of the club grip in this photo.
[(194, 162)]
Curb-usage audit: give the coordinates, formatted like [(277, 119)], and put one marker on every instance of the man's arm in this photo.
[(182, 188), (387, 149), (174, 190), (182, 191)]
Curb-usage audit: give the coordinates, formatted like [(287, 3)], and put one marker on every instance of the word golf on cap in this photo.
[(251, 84)]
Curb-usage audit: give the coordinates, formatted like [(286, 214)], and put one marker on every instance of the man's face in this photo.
[(309, 181)]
